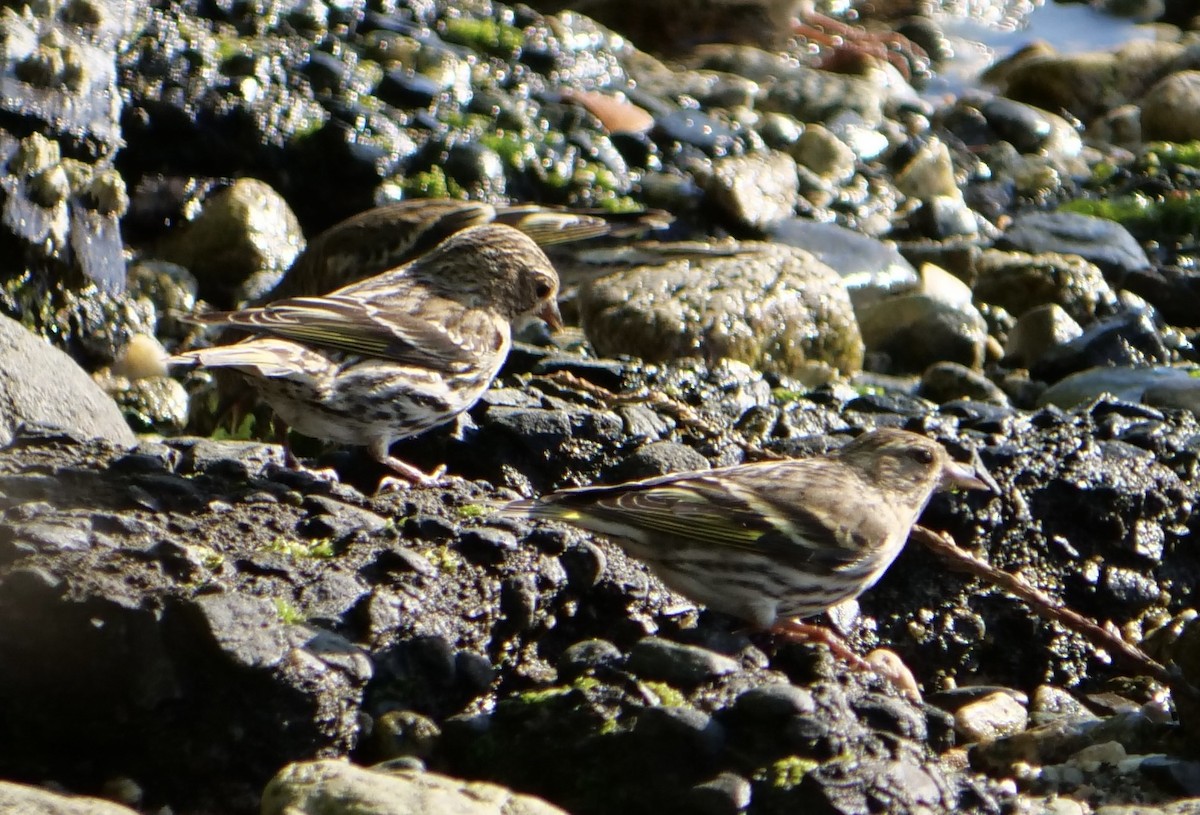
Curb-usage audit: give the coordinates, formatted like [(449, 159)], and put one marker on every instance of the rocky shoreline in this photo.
[(188, 626)]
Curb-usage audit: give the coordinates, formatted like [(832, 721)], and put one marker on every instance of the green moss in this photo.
[(786, 772), (246, 430), (1162, 152), (471, 511), (446, 560), (321, 548), (514, 150), (667, 695), (210, 559), (541, 695), (486, 36), (1174, 216), (432, 183), (786, 395), (288, 612), (1121, 208)]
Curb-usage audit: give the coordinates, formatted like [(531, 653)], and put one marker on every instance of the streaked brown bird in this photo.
[(775, 541), (398, 353), (383, 238)]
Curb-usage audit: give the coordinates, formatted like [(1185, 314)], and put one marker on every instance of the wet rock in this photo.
[(1169, 108), (1122, 382), (240, 244), (800, 316), (755, 190), (41, 385), (1019, 283), (991, 717), (316, 786), (37, 801), (1130, 339), (1105, 243), (676, 663), (1039, 331), (870, 268), (916, 330)]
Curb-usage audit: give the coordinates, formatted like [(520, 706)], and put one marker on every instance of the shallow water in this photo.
[(984, 33)]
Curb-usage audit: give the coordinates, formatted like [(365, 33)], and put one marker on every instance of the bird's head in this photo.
[(908, 463), (497, 267)]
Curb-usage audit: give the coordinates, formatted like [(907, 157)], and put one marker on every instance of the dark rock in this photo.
[(655, 658), (680, 730), (486, 544), (769, 703), (726, 794), (659, 458), (588, 656), (1099, 240), (1130, 339)]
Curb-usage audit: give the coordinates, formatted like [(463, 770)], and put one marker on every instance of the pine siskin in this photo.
[(379, 239), (774, 541), (395, 354)]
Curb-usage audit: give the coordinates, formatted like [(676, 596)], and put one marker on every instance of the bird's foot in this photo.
[(881, 661), (409, 476), (810, 633)]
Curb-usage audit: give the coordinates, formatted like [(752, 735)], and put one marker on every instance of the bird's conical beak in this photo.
[(967, 477), (550, 314)]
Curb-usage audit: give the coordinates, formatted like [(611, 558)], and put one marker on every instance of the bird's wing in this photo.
[(796, 512), (372, 242), (357, 326)]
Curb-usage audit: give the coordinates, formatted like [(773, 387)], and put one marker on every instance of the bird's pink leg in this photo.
[(881, 661), (797, 631), (409, 475)]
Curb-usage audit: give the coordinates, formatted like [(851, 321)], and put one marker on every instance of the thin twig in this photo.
[(1044, 605)]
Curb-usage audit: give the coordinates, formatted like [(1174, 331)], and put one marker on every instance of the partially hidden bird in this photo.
[(771, 542), (385, 237), (395, 354)]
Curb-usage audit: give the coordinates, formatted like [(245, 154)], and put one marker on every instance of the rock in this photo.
[(1037, 332), (870, 269), (673, 662), (726, 794), (40, 385), (317, 787), (755, 191), (990, 718), (240, 244), (659, 458), (26, 800), (1171, 108), (1020, 282), (916, 331), (1103, 242), (776, 308), (1173, 291), (1088, 84), (945, 382), (825, 154), (1129, 339)]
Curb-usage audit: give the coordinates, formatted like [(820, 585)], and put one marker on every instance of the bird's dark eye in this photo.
[(543, 290), (921, 455)]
